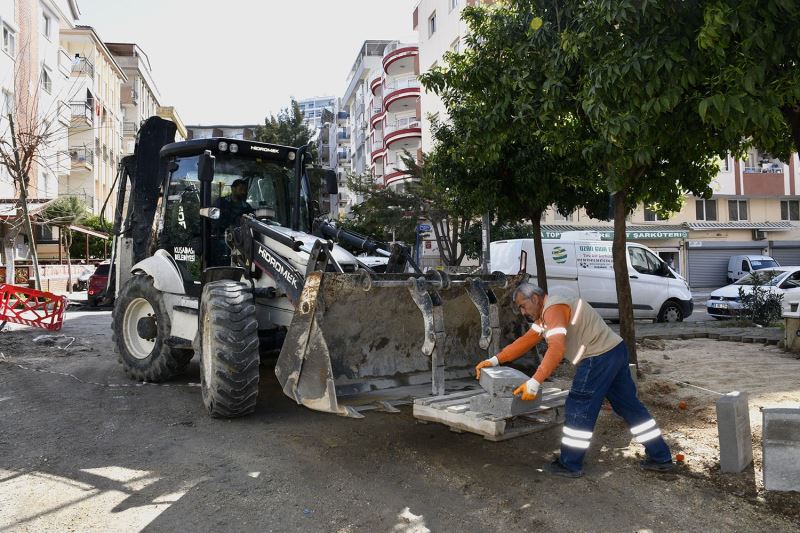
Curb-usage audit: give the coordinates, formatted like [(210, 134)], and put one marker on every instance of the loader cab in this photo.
[(262, 180)]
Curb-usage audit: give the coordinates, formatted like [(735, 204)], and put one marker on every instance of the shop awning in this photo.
[(633, 232), (764, 226)]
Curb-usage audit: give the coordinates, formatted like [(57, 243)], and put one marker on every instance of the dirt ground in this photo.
[(82, 448)]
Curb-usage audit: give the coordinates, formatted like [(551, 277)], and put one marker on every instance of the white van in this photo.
[(741, 265), (586, 267)]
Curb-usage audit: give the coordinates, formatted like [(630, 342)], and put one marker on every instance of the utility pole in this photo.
[(486, 263), (23, 195)]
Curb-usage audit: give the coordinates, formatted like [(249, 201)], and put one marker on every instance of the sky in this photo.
[(236, 61)]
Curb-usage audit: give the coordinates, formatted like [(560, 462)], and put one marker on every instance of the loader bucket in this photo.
[(356, 334)]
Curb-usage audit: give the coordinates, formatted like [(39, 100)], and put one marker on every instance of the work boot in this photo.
[(649, 464), (557, 469)]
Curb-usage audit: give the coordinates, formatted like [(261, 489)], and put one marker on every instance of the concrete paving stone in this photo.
[(502, 380), (781, 447), (502, 406), (735, 437)]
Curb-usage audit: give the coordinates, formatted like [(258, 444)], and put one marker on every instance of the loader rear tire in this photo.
[(140, 325), (229, 349)]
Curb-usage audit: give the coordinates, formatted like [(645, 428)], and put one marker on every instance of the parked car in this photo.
[(586, 267), (97, 284), (741, 265), (82, 280), (725, 302)]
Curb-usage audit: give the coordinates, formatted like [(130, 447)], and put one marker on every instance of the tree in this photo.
[(385, 213), (634, 76), (64, 212), (287, 128), (752, 74), (515, 172), (604, 94), (451, 214)]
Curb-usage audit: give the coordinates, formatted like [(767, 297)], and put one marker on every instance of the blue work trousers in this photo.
[(606, 376)]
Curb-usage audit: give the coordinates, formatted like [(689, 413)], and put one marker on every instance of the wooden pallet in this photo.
[(454, 410)]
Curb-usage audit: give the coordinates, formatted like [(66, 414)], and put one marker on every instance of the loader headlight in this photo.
[(234, 148), (291, 156), (223, 146)]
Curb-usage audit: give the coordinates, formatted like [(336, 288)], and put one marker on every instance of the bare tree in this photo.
[(29, 143)]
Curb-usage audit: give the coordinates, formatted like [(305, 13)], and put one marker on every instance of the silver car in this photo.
[(725, 302)]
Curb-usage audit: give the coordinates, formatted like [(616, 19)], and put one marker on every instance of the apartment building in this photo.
[(139, 95), (394, 105), (95, 133), (313, 108), (35, 86), (245, 132)]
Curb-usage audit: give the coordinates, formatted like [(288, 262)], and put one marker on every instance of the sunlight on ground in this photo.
[(408, 522), (34, 501)]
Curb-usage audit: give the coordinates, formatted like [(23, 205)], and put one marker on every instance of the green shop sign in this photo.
[(652, 235)]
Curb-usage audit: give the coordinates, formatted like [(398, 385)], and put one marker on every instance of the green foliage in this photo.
[(286, 128), (97, 249), (382, 211), (752, 81), (65, 211), (758, 304)]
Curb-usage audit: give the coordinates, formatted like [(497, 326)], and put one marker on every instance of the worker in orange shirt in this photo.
[(574, 329)]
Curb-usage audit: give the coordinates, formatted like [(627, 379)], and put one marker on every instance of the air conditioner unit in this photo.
[(759, 235)]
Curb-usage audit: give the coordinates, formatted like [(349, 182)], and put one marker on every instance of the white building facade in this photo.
[(95, 134)]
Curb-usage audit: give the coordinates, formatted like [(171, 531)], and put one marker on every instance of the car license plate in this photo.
[(719, 305)]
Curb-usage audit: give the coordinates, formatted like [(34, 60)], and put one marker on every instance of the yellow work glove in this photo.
[(492, 361), (528, 391)]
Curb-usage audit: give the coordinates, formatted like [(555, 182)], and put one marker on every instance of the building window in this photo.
[(9, 41), (651, 216), (46, 80), (454, 4), (46, 25), (737, 210), (432, 24), (455, 46), (706, 209), (726, 163), (790, 209)]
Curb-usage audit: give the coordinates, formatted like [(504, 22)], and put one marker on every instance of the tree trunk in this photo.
[(68, 241), (23, 196), (538, 250), (626, 326)]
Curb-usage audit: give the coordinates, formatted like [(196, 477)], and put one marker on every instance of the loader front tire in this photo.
[(140, 327), (228, 339)]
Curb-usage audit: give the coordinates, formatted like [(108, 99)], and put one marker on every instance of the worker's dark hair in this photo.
[(237, 182), (527, 290)]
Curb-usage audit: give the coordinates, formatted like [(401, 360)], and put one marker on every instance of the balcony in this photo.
[(375, 84), (342, 117), (129, 128), (403, 134), (377, 116), (82, 66), (402, 95), (400, 59), (378, 155), (82, 111), (81, 158), (343, 137), (343, 156)]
